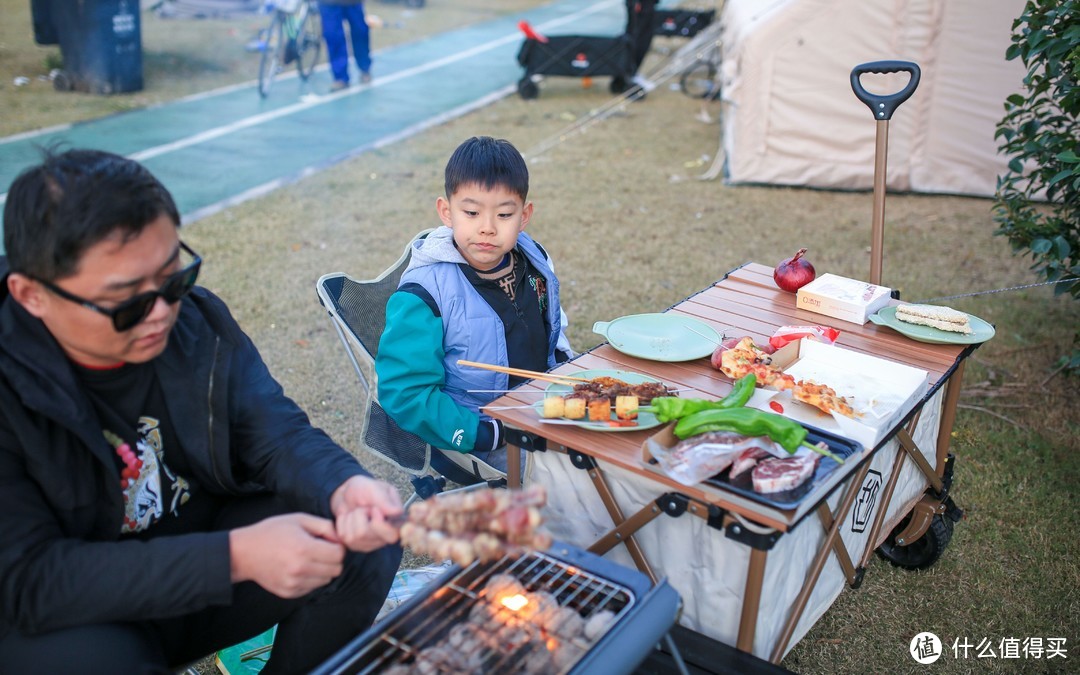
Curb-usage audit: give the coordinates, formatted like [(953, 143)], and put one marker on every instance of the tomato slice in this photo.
[(775, 405)]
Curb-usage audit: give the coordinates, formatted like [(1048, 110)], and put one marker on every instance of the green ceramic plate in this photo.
[(645, 420), (660, 337), (980, 330)]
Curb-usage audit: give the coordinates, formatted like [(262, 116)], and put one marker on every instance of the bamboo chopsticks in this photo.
[(521, 372)]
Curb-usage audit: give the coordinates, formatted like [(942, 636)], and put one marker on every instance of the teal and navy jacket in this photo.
[(438, 316)]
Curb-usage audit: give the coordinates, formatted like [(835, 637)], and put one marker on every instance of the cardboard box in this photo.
[(880, 391), (842, 298)]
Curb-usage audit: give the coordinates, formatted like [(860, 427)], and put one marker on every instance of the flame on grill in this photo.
[(510, 628), (514, 602)]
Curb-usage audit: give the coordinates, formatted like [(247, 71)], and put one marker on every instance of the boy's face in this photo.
[(485, 222), (110, 272)]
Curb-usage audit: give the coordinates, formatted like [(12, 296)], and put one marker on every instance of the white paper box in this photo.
[(843, 298), (879, 390)]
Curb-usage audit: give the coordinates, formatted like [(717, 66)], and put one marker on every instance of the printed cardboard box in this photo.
[(842, 298)]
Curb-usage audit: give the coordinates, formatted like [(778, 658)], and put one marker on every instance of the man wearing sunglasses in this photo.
[(160, 497)]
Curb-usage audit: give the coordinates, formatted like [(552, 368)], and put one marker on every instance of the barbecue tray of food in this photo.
[(743, 485), (559, 611)]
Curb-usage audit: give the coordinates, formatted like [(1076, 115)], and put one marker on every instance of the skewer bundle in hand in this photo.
[(477, 524)]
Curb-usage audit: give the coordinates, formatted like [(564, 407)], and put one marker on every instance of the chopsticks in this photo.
[(521, 372)]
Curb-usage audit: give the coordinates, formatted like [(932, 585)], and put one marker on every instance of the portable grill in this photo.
[(561, 611)]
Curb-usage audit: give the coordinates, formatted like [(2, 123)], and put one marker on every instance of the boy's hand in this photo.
[(362, 507), (289, 555)]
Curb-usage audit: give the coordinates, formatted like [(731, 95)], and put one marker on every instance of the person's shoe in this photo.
[(338, 85), (365, 77)]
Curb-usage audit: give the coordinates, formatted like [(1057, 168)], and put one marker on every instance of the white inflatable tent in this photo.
[(791, 118)]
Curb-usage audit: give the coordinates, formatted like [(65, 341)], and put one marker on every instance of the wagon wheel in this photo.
[(527, 89), (699, 80), (924, 551)]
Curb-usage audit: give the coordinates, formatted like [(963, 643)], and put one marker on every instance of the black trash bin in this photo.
[(100, 42)]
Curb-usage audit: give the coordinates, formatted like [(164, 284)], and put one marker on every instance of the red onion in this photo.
[(793, 273)]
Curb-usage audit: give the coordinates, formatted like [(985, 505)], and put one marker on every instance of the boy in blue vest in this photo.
[(478, 289)]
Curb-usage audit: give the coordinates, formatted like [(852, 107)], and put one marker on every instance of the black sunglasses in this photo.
[(132, 311)]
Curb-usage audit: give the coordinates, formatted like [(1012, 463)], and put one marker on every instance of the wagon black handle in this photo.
[(883, 106)]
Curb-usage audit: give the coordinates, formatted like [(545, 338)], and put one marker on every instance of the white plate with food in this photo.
[(980, 331), (599, 379)]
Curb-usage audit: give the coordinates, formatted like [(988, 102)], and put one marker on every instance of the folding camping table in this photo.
[(720, 557)]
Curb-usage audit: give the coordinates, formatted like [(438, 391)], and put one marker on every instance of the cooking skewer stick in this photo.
[(521, 372), (506, 391), (533, 407), (707, 337)]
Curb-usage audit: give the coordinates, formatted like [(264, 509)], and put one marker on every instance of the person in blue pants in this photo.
[(334, 15)]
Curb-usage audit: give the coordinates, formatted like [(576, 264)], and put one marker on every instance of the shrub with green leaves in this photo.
[(1037, 206)]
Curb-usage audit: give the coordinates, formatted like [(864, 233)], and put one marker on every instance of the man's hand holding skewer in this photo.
[(367, 513)]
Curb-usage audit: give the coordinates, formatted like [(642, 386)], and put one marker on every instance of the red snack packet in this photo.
[(786, 334)]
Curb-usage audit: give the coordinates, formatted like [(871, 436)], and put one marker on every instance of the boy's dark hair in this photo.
[(57, 210), (488, 162)]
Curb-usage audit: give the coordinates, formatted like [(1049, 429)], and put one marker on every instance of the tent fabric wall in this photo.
[(790, 116)]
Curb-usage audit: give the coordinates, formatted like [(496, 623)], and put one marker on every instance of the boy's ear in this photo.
[(526, 215), (27, 293), (442, 207)]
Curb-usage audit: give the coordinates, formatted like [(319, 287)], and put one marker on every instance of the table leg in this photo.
[(617, 517), (513, 466), (948, 415), (818, 563), (755, 577), (886, 499), (842, 555), (908, 444)]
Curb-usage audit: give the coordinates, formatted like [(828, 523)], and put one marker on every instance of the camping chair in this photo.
[(357, 310)]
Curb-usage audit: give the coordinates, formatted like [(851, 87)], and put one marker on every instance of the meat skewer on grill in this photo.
[(476, 525)]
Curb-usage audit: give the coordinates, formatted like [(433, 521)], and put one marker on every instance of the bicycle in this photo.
[(294, 34)]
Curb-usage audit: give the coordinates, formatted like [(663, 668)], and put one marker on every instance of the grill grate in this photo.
[(463, 626)]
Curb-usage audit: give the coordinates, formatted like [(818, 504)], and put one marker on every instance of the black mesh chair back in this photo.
[(357, 310)]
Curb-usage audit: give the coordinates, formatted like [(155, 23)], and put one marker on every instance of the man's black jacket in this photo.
[(61, 560)]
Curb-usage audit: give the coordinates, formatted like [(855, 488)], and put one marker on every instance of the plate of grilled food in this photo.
[(935, 324), (602, 400)]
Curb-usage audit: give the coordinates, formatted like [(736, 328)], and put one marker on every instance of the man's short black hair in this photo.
[(490, 163), (57, 210)]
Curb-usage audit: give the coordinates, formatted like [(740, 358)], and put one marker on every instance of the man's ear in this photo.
[(442, 207), (28, 293)]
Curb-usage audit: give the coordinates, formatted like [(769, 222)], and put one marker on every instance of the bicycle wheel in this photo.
[(699, 80), (308, 42), (273, 55)]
